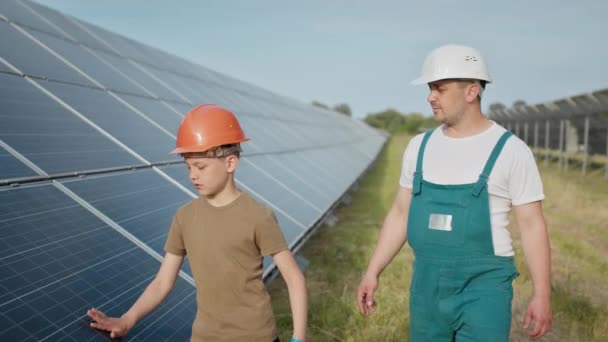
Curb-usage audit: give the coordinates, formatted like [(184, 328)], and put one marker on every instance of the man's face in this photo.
[(210, 175), (448, 99)]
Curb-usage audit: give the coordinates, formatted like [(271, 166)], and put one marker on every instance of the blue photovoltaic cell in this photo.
[(178, 84), (10, 167), (18, 12), (272, 191), (140, 74), (330, 160), (303, 162), (66, 25), (289, 136), (128, 127), (179, 172), (50, 136), (89, 64), (31, 59), (242, 103), (5, 68), (272, 136), (141, 202), (126, 47), (260, 142), (157, 111), (273, 164), (57, 260)]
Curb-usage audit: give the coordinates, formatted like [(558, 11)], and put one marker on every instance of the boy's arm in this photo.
[(296, 285), (149, 300), (392, 237), (535, 243)]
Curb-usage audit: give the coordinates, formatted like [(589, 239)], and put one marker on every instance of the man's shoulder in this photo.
[(416, 140), (516, 146)]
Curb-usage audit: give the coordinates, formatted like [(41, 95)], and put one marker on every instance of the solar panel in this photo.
[(20, 13), (137, 73), (62, 24), (277, 166), (57, 260), (160, 113), (300, 208), (141, 202), (89, 63), (10, 167), (49, 135), (138, 133), (93, 114), (126, 47), (32, 59), (301, 163), (179, 85)]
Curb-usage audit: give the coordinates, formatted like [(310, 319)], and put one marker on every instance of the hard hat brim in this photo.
[(419, 80), (424, 80), (203, 148)]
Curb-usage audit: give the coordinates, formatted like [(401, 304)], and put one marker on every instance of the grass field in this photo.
[(577, 214)]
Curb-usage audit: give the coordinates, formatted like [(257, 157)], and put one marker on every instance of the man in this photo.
[(458, 184)]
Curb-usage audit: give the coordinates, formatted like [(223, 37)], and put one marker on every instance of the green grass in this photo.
[(576, 212), (577, 217)]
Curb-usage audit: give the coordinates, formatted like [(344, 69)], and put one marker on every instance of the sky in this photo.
[(366, 53)]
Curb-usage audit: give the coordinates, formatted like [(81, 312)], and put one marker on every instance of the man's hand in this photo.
[(365, 294), (539, 312), (117, 327)]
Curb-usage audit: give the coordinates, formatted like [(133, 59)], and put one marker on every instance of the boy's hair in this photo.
[(216, 152)]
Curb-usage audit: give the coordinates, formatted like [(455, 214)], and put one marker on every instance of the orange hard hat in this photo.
[(207, 126)]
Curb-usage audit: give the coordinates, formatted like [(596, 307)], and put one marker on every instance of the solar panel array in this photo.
[(87, 189), (539, 124)]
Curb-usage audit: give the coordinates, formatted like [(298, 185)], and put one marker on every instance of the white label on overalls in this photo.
[(440, 222)]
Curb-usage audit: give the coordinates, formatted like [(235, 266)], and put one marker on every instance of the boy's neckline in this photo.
[(225, 206)]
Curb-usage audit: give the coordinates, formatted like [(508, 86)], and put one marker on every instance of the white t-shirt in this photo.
[(514, 180)]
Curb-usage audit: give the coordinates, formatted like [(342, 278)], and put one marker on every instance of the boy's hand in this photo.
[(365, 295), (117, 327)]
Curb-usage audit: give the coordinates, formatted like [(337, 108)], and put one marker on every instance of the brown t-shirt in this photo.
[(225, 248)]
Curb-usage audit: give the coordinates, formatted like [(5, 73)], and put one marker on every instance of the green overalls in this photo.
[(460, 290)]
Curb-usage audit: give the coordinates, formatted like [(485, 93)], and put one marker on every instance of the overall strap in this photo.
[(417, 183), (485, 174)]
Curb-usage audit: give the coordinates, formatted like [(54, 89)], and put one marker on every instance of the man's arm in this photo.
[(392, 237), (535, 243), (296, 286), (149, 300)]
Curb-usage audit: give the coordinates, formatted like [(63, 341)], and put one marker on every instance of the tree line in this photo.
[(393, 121), (389, 120)]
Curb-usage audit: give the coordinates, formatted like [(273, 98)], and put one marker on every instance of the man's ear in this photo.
[(473, 91), (232, 161)]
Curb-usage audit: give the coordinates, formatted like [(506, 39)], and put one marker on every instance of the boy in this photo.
[(225, 234)]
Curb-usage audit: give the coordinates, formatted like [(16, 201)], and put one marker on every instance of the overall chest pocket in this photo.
[(445, 219)]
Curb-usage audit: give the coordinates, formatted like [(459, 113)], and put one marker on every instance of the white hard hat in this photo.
[(453, 61)]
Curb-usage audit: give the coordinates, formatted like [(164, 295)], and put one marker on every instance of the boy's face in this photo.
[(211, 175)]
